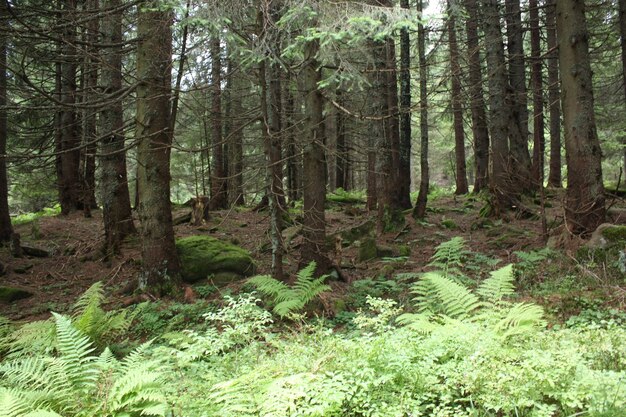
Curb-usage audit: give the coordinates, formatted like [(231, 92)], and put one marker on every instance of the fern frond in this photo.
[(12, 403), (74, 349), (93, 297), (268, 285), (498, 286), (521, 318), (445, 296), (448, 256), (420, 323)]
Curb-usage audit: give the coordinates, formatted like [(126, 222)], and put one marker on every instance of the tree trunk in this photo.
[(554, 96), (539, 145), (69, 182), (622, 32), (160, 264), (6, 230), (294, 158), (235, 141), (584, 206), (419, 212), (88, 190), (343, 154), (272, 136), (477, 102), (518, 116), (457, 104), (314, 190), (219, 199), (116, 212), (405, 112), (499, 109)]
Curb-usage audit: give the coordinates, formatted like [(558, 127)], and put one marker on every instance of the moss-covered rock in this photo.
[(206, 257), (10, 294), (367, 249), (615, 234)]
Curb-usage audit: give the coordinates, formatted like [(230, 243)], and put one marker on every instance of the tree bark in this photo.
[(554, 96), (6, 229), (343, 152), (457, 104), (116, 211), (539, 144), (314, 190), (419, 211), (622, 32), (499, 108), (235, 141), (518, 102), (477, 102), (69, 181), (405, 112), (160, 264), (584, 204), (219, 199), (294, 156)]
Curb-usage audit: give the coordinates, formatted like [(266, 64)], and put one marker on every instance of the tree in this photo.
[(6, 230), (622, 32), (584, 205), (219, 199), (537, 88), (160, 264), (499, 108), (477, 102), (314, 190), (419, 210), (405, 108), (116, 211), (518, 102), (457, 105), (554, 96), (68, 138)]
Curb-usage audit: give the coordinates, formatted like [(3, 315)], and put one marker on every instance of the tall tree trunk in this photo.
[(272, 137), (584, 206), (477, 102), (314, 190), (419, 211), (343, 155), (405, 112), (219, 199), (294, 158), (116, 212), (235, 141), (622, 32), (69, 182), (499, 109), (88, 190), (539, 146), (554, 96), (6, 230), (518, 116), (160, 264), (457, 104)]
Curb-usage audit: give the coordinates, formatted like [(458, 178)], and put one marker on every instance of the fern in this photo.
[(498, 286), (521, 318), (449, 256), (290, 299), (440, 294), (75, 383)]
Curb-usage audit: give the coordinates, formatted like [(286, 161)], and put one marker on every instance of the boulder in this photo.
[(205, 257), (10, 294)]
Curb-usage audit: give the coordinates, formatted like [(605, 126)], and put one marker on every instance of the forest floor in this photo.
[(75, 263)]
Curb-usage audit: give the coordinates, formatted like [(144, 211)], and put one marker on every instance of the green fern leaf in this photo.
[(420, 323), (12, 403), (520, 319), (268, 285), (498, 286), (445, 296)]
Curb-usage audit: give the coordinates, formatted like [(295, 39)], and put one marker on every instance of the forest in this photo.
[(324, 208)]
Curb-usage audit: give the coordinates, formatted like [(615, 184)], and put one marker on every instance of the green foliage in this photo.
[(31, 217), (449, 256), (72, 382), (290, 299), (341, 196)]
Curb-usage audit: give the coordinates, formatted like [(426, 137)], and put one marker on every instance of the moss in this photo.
[(615, 234), (393, 220), (367, 249), (404, 250), (10, 294), (202, 256)]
